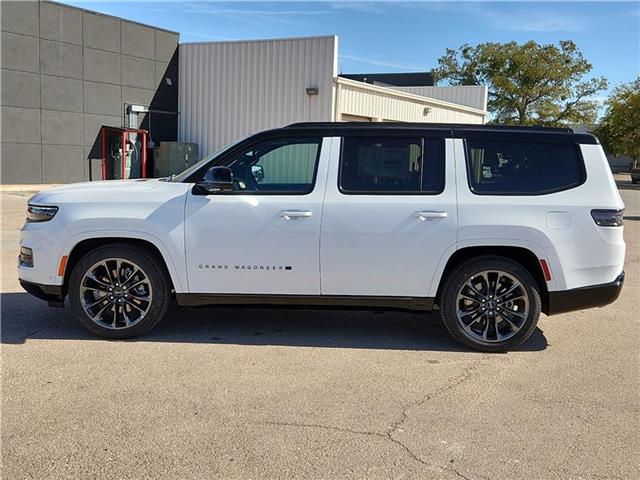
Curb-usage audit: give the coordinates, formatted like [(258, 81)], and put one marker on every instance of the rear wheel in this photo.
[(490, 304), (119, 291)]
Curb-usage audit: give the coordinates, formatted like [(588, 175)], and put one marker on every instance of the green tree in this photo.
[(619, 129), (528, 83)]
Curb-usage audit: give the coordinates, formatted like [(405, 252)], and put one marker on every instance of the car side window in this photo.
[(523, 168), (277, 166), (387, 165)]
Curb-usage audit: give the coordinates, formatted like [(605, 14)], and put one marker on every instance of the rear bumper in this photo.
[(52, 294), (584, 297)]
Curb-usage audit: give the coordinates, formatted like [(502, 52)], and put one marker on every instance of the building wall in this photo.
[(475, 96), (65, 73), (362, 100), (231, 89)]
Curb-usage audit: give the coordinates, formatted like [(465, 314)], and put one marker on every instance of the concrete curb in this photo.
[(36, 187)]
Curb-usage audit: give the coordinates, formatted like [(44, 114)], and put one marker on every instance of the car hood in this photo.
[(108, 191)]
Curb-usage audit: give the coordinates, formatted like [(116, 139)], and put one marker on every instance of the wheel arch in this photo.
[(87, 245), (522, 255)]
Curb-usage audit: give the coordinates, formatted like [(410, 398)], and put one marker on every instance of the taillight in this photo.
[(608, 218)]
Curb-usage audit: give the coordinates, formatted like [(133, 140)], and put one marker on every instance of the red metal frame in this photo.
[(144, 154), (125, 133), (104, 154)]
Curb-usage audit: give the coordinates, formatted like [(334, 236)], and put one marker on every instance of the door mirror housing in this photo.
[(258, 172), (217, 179)]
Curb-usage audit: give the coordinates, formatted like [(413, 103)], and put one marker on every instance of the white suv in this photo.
[(491, 225)]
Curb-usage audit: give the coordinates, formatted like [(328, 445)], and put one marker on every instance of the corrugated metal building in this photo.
[(469, 95), (231, 89), (235, 88), (376, 103), (67, 72)]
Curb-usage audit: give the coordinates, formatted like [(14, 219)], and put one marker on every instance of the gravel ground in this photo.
[(256, 393)]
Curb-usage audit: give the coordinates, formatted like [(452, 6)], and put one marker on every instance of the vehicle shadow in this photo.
[(24, 318)]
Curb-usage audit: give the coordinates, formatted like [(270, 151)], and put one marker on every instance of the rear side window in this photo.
[(371, 165), (519, 168)]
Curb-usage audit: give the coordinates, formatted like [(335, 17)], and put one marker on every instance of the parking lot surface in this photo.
[(256, 393)]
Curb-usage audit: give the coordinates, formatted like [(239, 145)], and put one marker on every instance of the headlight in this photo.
[(39, 213)]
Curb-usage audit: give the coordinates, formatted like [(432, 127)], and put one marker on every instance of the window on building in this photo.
[(283, 165), (392, 165), (521, 168)]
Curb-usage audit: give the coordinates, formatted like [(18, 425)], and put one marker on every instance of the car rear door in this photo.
[(389, 216)]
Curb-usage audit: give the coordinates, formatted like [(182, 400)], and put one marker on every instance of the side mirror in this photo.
[(217, 179), (258, 172)]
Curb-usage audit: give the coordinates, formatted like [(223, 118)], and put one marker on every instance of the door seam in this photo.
[(324, 197)]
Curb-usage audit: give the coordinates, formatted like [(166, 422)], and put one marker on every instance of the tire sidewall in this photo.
[(474, 266), (157, 279)]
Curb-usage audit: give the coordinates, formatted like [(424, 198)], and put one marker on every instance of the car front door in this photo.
[(390, 217), (263, 237)]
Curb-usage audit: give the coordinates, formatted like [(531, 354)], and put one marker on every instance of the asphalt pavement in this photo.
[(259, 394)]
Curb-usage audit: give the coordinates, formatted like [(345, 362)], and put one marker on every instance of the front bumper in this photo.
[(52, 294), (584, 297)]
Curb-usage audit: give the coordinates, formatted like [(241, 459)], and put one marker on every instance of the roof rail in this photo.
[(452, 126)]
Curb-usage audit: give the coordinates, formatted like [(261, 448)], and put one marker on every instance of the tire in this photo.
[(467, 314), (130, 309), (634, 180)]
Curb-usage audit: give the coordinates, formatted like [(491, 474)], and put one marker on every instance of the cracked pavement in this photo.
[(258, 394)]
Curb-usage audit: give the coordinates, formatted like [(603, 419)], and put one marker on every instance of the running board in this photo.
[(335, 301)]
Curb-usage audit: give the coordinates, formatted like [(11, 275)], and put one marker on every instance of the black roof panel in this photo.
[(410, 79), (421, 125), (454, 130)]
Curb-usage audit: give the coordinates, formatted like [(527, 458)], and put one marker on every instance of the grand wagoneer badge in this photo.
[(271, 268)]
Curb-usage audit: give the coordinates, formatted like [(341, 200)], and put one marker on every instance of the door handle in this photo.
[(427, 214), (291, 214)]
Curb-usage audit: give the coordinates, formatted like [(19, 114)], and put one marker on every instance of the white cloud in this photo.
[(156, 9), (526, 21), (598, 98), (372, 8), (257, 16), (238, 11), (380, 63), (206, 36), (508, 15)]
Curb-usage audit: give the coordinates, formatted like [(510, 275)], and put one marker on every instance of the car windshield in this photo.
[(180, 177)]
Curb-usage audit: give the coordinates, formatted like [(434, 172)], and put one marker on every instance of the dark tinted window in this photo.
[(392, 165), (523, 168), (283, 165)]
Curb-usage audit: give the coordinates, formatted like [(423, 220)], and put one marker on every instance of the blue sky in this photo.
[(406, 36)]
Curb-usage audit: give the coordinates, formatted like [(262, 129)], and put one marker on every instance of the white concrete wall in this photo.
[(386, 104), (231, 89)]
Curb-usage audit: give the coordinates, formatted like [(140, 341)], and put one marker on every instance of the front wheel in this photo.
[(119, 291), (490, 304)]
